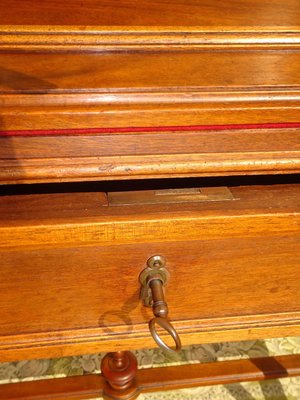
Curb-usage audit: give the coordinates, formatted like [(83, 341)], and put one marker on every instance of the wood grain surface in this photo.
[(70, 263), (149, 155), (161, 68), (139, 76), (140, 90), (130, 25), (130, 13), (52, 241), (73, 91), (232, 256)]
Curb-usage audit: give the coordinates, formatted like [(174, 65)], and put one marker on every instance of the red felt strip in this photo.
[(93, 131)]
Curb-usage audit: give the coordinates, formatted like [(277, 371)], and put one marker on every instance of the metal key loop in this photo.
[(153, 279)]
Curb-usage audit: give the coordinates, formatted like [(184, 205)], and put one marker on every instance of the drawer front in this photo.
[(225, 283), (180, 152)]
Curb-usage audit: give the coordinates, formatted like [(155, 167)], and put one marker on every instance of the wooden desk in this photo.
[(121, 94)]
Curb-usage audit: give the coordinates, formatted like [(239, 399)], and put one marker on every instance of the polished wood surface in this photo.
[(149, 155), (72, 91), (144, 64), (86, 218), (115, 25), (129, 89), (220, 13), (237, 249), (159, 379), (119, 369), (152, 75), (140, 90)]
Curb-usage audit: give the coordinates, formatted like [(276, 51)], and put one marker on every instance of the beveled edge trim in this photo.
[(108, 38), (125, 29), (189, 95), (147, 166), (89, 340), (46, 112)]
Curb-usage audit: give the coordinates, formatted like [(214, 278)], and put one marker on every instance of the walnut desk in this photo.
[(148, 149)]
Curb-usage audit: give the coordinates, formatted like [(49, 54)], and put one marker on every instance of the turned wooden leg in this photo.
[(119, 371)]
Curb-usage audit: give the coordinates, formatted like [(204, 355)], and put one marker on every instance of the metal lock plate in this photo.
[(189, 195)]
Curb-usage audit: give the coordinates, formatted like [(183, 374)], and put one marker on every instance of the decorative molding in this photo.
[(57, 39), (148, 166), (51, 344)]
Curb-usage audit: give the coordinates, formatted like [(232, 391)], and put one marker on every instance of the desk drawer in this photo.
[(69, 280)]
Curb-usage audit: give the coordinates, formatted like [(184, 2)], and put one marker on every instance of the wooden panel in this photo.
[(233, 141), (155, 154), (128, 25), (152, 13), (70, 219), (148, 90), (224, 278), (153, 72), (142, 90), (238, 259)]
